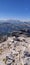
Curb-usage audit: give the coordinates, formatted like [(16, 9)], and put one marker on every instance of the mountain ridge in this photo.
[(13, 25)]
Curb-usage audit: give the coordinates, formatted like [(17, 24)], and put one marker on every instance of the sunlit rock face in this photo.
[(15, 50)]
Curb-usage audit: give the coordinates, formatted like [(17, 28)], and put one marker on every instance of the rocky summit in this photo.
[(15, 50)]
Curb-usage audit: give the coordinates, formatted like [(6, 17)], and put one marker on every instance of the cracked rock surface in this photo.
[(15, 51)]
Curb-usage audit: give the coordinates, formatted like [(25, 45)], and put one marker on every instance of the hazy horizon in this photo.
[(22, 20)]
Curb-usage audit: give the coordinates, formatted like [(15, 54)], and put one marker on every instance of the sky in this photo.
[(15, 9)]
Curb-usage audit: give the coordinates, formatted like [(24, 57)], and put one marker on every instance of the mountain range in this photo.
[(13, 25)]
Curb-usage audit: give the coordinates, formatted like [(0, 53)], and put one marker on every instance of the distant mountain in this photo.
[(13, 25)]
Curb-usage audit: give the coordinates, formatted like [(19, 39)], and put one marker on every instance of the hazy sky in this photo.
[(19, 9)]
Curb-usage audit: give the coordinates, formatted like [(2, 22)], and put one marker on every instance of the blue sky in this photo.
[(18, 9)]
